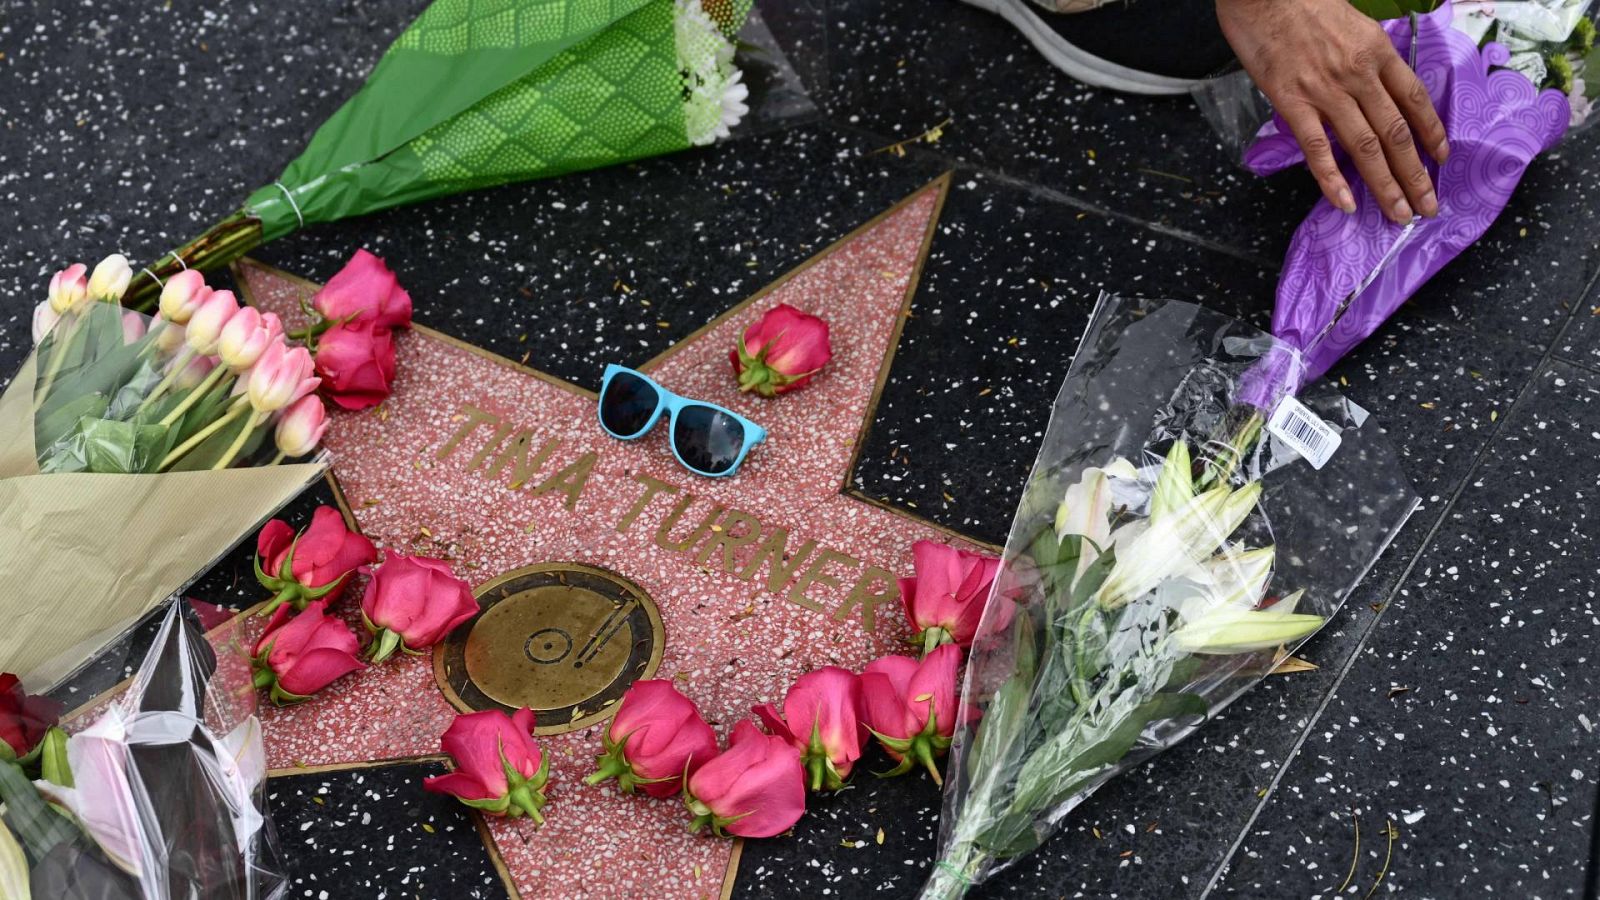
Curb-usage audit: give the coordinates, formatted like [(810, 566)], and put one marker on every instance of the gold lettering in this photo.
[(652, 487), (664, 531), (875, 586), (569, 481), (494, 442), (517, 447), (474, 418), (725, 538), (774, 552), (815, 574)]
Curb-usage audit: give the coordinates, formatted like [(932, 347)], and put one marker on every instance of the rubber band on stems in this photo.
[(292, 205)]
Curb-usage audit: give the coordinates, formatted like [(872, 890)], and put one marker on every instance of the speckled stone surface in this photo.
[(133, 123)]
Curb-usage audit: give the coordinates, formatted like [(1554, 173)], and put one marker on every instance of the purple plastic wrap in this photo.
[(1345, 274)]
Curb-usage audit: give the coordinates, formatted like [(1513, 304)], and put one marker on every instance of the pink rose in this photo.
[(498, 767), (299, 655), (414, 602), (313, 566), (911, 707), (356, 363), (781, 351), (365, 292), (945, 601), (821, 719), (656, 737), (756, 788)]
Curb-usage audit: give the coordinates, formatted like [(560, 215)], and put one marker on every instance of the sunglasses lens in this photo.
[(627, 404), (708, 440)]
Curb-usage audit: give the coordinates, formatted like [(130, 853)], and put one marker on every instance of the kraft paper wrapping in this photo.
[(83, 556)]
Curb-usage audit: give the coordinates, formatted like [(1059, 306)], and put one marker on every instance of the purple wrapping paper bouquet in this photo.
[(1346, 273)]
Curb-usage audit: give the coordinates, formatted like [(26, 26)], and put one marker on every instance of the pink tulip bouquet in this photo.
[(205, 399)]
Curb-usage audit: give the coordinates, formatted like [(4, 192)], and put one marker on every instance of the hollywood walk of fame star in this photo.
[(589, 550)]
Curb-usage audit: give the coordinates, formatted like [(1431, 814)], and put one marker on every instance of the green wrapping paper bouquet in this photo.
[(478, 93)]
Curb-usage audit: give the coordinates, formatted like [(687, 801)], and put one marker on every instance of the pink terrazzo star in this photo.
[(498, 467)]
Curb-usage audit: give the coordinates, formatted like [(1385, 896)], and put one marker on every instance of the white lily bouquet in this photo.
[(1187, 524)]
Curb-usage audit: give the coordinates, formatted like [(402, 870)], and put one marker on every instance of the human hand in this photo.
[(1323, 61)]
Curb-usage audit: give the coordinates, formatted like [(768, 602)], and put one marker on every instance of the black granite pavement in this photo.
[(1451, 717)]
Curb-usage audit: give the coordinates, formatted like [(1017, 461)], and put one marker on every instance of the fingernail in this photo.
[(1430, 204), (1346, 201), (1441, 151), (1402, 210)]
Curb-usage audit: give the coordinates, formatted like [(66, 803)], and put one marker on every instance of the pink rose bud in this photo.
[(302, 427), (182, 296), (244, 339), (45, 318), (754, 789), (781, 352), (315, 565), (205, 326), (945, 601), (911, 706), (365, 292), (194, 372), (280, 377), (133, 327), (299, 655), (69, 288), (498, 767), (822, 719), (356, 364), (110, 278), (414, 602), (655, 738)]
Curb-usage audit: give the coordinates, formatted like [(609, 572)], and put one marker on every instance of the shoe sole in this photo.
[(1082, 65)]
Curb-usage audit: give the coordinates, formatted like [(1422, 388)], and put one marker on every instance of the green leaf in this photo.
[(53, 765), (53, 428), (35, 822), (212, 449), (1393, 9), (120, 447), (1093, 577)]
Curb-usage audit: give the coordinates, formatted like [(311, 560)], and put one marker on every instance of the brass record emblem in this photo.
[(564, 639)]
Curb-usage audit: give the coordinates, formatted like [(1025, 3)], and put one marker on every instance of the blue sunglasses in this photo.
[(707, 439)]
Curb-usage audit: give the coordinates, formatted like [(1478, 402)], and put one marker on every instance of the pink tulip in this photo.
[(756, 788), (45, 318), (194, 372), (781, 351), (110, 278), (945, 601), (314, 565), (821, 719), (656, 737), (299, 655), (356, 364), (365, 291), (205, 326), (182, 296), (302, 427), (911, 707), (414, 602), (280, 377), (69, 288), (498, 767), (169, 338), (133, 327), (245, 338)]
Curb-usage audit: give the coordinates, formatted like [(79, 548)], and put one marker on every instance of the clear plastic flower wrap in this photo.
[(130, 462), (158, 792), (1174, 542)]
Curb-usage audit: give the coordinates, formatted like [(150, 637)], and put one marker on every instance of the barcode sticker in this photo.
[(1304, 432)]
